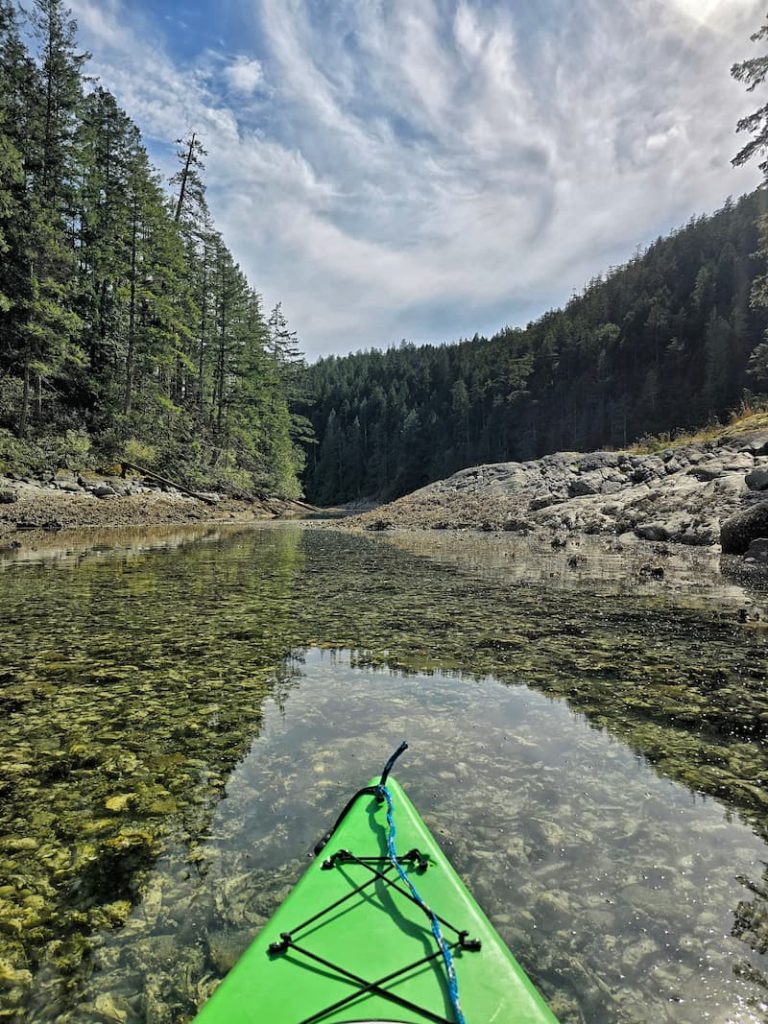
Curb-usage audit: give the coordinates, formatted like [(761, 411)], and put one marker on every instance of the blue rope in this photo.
[(453, 985)]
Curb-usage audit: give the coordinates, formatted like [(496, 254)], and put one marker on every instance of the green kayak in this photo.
[(369, 937)]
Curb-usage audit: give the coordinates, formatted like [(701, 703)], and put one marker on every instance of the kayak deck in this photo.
[(349, 943)]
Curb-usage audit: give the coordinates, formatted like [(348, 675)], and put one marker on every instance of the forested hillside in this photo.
[(666, 341), (126, 327)]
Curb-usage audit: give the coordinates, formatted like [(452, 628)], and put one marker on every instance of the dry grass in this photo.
[(749, 418)]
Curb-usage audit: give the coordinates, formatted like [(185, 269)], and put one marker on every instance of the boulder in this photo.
[(611, 487), (652, 531), (698, 536), (598, 461), (756, 446), (738, 532), (379, 524), (709, 471), (757, 480), (758, 549), (103, 491), (738, 463), (730, 486), (542, 499), (585, 485)]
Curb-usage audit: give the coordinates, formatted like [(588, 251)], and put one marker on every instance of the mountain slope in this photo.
[(658, 344)]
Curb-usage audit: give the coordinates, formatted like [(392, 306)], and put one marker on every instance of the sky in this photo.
[(429, 169)]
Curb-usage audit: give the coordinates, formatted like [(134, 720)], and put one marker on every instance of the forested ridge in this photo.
[(668, 340), (127, 329)]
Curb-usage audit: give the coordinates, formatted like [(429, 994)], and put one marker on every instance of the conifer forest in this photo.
[(669, 340), (127, 328)]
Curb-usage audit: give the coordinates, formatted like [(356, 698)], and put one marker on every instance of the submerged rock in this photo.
[(652, 572)]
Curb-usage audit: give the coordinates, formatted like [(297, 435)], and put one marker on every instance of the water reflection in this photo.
[(671, 574), (135, 681), (614, 887), (95, 542)]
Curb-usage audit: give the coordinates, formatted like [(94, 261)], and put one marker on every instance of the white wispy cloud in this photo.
[(244, 75), (428, 168)]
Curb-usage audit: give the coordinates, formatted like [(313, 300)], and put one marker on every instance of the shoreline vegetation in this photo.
[(128, 331), (89, 501), (665, 490)]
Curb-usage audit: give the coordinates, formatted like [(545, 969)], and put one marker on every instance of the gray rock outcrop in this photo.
[(684, 495)]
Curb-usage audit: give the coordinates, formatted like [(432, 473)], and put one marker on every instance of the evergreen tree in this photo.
[(191, 205), (49, 328), (753, 73), (122, 312)]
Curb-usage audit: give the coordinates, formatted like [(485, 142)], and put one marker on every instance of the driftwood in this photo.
[(264, 498), (168, 483), (304, 504)]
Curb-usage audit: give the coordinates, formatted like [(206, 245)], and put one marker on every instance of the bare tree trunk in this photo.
[(130, 354), (201, 355), (24, 413), (184, 176)]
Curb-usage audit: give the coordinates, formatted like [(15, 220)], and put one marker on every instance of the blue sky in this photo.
[(426, 169)]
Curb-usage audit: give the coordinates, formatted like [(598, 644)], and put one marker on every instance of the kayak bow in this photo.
[(373, 936)]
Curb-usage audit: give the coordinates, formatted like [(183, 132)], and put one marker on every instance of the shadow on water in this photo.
[(155, 809)]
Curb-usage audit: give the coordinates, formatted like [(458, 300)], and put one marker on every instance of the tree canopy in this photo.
[(126, 324)]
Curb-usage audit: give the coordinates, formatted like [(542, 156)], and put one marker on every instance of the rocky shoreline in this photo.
[(71, 500), (705, 494), (702, 494)]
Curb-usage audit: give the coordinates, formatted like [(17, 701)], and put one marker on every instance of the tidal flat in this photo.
[(184, 710)]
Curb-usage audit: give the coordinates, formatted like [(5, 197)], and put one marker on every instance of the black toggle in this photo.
[(280, 947), (471, 945), (417, 858)]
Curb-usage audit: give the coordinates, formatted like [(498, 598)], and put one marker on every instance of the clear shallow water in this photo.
[(165, 769)]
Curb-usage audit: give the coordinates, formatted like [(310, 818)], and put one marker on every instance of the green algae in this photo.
[(132, 683)]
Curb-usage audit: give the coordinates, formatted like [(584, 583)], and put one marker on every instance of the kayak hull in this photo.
[(359, 949)]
